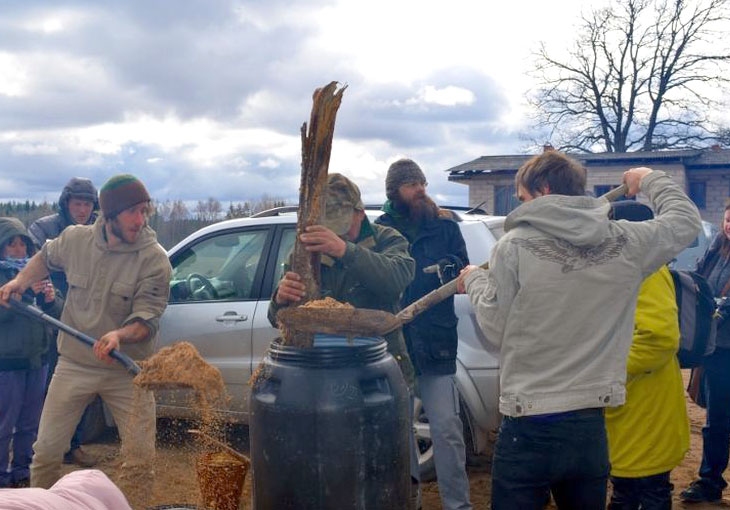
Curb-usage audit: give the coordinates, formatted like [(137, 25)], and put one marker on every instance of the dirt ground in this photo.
[(176, 483)]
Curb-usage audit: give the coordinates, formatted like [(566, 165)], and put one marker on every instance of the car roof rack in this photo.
[(276, 211), (288, 209)]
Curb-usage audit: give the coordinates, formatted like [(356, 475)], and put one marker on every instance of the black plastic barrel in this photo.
[(329, 428)]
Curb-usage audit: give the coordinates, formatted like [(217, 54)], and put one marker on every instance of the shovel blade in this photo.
[(338, 321)]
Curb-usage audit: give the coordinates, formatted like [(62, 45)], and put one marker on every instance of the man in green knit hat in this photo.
[(119, 279)]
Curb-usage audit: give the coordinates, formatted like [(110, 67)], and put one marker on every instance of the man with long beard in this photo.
[(119, 279), (438, 247)]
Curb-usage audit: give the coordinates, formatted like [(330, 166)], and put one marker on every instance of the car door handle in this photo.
[(231, 317)]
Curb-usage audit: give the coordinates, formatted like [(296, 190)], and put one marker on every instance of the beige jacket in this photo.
[(560, 296), (108, 288)]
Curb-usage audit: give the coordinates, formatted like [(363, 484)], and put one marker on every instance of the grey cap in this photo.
[(343, 198)]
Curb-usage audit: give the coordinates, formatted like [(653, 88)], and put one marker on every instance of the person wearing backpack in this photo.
[(648, 436), (715, 267)]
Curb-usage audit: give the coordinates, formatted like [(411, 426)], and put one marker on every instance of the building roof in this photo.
[(690, 158)]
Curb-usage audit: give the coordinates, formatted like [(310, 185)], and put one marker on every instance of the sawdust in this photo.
[(181, 365), (291, 335), (327, 302), (177, 366), (221, 477)]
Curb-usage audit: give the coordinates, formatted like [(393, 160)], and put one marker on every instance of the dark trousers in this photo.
[(646, 493), (716, 432), (21, 401), (564, 454)]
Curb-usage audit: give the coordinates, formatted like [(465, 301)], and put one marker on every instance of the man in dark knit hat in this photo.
[(439, 250), (77, 205), (119, 279)]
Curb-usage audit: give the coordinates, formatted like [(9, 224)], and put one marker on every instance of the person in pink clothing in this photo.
[(87, 489)]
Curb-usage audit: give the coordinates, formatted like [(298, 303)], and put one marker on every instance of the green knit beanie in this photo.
[(121, 192)]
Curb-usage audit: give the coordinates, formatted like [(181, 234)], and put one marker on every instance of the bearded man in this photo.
[(119, 280), (436, 244)]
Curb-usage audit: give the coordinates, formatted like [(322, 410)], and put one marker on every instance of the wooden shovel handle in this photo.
[(222, 445), (615, 193), (434, 297)]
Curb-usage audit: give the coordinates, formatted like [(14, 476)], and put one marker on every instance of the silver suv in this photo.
[(223, 278), (689, 257)]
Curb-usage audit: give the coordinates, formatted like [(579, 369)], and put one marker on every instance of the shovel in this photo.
[(32, 311), (368, 322), (361, 321)]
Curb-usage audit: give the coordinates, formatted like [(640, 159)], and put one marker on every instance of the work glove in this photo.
[(446, 268), (722, 312)]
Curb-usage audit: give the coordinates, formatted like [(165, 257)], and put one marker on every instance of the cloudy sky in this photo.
[(206, 98)]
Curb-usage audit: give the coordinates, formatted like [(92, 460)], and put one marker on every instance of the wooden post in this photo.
[(316, 150)]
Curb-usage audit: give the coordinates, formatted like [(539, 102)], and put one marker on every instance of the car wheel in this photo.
[(426, 466)]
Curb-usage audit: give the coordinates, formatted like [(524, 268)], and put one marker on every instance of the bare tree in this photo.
[(637, 78), (208, 210)]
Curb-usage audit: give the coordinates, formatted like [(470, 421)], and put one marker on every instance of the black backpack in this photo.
[(697, 325)]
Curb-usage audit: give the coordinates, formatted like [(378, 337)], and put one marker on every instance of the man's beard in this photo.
[(116, 229), (419, 209)]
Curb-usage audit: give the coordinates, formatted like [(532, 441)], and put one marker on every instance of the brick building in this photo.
[(705, 174)]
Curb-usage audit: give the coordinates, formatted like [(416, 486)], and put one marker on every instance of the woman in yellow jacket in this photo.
[(649, 435)]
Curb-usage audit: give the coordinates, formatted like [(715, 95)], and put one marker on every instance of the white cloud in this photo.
[(29, 149), (270, 163), (179, 91), (14, 75), (446, 96)]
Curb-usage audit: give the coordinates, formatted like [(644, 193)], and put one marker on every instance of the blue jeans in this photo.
[(21, 401), (564, 454), (645, 493), (716, 432)]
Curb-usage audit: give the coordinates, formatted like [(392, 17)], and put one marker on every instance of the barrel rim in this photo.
[(331, 350)]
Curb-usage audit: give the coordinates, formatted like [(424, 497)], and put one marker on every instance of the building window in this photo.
[(505, 199), (698, 193)]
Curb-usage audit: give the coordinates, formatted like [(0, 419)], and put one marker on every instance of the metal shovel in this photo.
[(368, 322), (32, 311), (361, 321)]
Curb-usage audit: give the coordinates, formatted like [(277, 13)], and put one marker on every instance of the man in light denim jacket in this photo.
[(558, 302)]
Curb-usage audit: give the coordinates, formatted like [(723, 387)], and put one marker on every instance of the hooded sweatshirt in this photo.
[(48, 227), (23, 341), (108, 287), (560, 296)]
